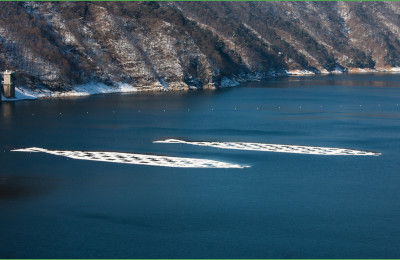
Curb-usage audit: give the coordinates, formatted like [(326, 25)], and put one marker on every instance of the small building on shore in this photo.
[(8, 84)]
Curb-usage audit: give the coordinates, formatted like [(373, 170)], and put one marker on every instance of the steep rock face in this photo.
[(182, 45)]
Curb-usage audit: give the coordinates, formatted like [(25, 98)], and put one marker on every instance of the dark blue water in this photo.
[(284, 206)]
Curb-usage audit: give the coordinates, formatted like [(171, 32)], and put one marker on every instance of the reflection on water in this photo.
[(6, 112), (16, 187)]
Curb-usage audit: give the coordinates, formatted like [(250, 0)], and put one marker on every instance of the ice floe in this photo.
[(132, 158), (280, 148)]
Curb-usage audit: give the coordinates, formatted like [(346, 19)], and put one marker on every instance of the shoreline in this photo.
[(98, 88)]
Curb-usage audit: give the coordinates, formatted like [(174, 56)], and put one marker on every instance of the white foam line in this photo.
[(131, 158), (279, 148)]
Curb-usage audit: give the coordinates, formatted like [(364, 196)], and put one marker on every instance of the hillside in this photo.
[(160, 46)]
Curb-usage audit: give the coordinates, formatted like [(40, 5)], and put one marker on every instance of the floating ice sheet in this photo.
[(131, 158), (280, 148)]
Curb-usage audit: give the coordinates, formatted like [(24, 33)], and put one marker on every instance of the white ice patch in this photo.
[(131, 158), (279, 148)]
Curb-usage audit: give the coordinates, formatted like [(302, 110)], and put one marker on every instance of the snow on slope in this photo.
[(96, 88), (19, 95), (76, 91)]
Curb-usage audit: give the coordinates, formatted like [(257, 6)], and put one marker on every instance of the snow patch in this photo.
[(337, 70), (76, 91), (97, 88), (393, 69), (19, 95), (299, 72), (359, 70)]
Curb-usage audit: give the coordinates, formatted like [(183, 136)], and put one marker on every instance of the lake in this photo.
[(284, 205)]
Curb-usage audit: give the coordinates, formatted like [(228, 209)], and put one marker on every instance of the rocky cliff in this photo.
[(54, 46)]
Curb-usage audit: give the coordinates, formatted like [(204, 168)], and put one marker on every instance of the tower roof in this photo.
[(8, 72)]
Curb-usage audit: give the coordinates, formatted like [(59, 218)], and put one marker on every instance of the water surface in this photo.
[(283, 206)]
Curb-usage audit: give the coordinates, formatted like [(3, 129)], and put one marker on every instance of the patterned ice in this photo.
[(132, 158), (279, 148)]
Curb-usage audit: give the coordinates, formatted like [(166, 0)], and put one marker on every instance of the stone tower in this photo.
[(9, 84)]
